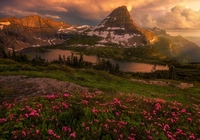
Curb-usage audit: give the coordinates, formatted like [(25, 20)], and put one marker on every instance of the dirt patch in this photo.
[(163, 83), (22, 86), (185, 85)]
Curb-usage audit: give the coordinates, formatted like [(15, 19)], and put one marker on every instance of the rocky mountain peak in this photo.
[(33, 21), (119, 28), (121, 18)]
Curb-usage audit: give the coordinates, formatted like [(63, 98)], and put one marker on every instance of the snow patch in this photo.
[(2, 24), (49, 41), (110, 36), (36, 45), (5, 23), (99, 45), (83, 26), (115, 28)]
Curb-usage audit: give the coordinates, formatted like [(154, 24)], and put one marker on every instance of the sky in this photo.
[(164, 14)]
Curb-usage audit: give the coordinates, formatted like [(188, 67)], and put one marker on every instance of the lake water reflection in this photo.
[(124, 66)]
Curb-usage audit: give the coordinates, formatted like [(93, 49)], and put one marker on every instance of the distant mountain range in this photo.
[(117, 28), (30, 31), (179, 48), (193, 39)]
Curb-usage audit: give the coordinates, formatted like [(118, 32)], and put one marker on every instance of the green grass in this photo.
[(126, 110), (104, 81)]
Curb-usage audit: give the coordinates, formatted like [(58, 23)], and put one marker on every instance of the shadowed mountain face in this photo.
[(118, 27), (182, 48), (30, 31)]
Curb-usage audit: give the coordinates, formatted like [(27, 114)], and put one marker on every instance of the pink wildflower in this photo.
[(157, 106), (51, 96), (166, 127), (169, 136), (148, 132), (106, 127), (50, 132), (69, 129), (87, 128), (183, 111), (150, 137), (23, 133), (179, 131), (83, 124), (73, 135), (85, 102), (96, 120), (116, 101), (131, 138), (95, 111), (65, 105), (65, 95), (192, 136), (37, 131), (189, 119), (64, 128), (34, 113), (3, 120), (117, 113)]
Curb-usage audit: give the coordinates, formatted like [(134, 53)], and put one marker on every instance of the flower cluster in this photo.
[(98, 116)]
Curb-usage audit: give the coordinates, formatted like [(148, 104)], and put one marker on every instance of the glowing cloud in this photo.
[(145, 13)]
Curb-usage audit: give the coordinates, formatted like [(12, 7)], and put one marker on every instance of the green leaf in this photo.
[(19, 125)]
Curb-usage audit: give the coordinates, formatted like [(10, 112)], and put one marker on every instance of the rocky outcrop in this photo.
[(22, 87)]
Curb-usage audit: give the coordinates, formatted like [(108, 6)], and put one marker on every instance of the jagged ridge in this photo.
[(29, 32)]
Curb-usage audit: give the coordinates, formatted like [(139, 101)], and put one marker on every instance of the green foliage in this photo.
[(84, 40), (146, 54), (167, 47)]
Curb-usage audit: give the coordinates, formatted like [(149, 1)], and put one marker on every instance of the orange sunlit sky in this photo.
[(165, 14)]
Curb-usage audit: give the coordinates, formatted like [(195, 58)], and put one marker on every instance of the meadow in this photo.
[(125, 110), (98, 116)]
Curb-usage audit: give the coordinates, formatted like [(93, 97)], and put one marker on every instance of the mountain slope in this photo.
[(30, 31), (184, 49)]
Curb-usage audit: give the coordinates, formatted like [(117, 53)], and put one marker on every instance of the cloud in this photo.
[(145, 13), (180, 16), (55, 8), (16, 12), (52, 16)]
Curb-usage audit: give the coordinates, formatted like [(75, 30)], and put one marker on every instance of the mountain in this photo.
[(193, 39), (181, 47), (30, 31), (118, 27)]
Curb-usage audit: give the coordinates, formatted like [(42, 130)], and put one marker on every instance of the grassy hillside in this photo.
[(140, 111)]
